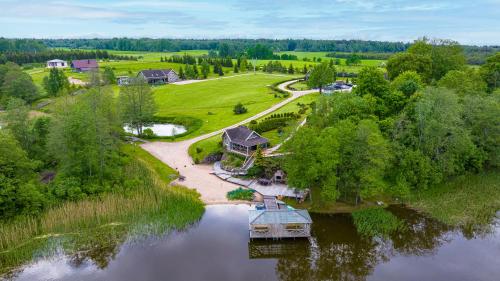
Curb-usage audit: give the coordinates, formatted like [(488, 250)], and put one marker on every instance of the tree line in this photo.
[(72, 154), (227, 45), (435, 119), (23, 57)]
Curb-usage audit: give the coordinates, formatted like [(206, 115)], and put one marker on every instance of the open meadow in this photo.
[(213, 101)]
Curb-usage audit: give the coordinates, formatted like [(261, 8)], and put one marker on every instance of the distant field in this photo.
[(213, 101)]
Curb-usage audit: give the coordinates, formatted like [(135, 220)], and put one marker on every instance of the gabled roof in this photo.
[(156, 73), (56, 60), (84, 63), (278, 216), (243, 136)]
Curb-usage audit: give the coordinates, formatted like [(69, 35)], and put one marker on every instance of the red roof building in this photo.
[(84, 65)]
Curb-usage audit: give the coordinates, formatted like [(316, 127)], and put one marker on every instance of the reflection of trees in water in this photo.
[(337, 252), (99, 247), (422, 236)]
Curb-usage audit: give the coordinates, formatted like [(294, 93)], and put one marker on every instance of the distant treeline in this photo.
[(254, 48), (231, 45), (23, 57)]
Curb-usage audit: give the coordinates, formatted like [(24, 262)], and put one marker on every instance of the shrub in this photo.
[(239, 109), (376, 222), (148, 134), (199, 150), (240, 194)]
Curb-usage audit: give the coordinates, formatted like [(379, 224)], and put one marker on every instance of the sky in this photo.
[(468, 22)]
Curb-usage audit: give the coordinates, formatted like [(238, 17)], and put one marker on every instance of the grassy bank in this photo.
[(143, 206), (468, 200)]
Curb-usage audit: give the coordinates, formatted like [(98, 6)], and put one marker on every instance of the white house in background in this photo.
[(57, 64)]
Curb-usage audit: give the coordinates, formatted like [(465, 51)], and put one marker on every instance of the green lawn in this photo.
[(213, 101), (199, 150), (211, 145)]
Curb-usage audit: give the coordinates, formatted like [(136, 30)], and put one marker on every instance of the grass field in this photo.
[(213, 101)]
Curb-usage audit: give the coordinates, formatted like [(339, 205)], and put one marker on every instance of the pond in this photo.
[(218, 248), (161, 130)]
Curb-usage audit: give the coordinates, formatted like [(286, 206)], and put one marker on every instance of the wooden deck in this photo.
[(270, 203)]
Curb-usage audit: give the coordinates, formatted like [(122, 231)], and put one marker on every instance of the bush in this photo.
[(199, 150), (148, 134), (376, 222), (240, 194), (240, 109)]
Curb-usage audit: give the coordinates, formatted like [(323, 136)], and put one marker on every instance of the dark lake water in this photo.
[(218, 248)]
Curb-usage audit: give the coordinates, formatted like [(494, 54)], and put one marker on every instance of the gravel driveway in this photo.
[(175, 154)]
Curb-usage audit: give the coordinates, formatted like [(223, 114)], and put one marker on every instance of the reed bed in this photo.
[(148, 200)]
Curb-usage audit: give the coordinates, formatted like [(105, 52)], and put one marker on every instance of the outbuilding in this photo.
[(57, 63), (281, 223)]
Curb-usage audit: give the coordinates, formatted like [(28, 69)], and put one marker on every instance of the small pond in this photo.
[(218, 248), (161, 130)]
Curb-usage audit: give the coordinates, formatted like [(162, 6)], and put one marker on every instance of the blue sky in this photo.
[(469, 22)]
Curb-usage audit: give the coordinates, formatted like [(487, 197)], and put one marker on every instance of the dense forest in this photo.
[(435, 119)]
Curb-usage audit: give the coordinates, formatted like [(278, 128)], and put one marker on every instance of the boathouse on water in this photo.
[(277, 220)]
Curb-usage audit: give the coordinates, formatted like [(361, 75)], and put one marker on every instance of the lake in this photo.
[(161, 130), (218, 248)]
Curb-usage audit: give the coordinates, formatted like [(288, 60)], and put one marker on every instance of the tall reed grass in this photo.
[(147, 200)]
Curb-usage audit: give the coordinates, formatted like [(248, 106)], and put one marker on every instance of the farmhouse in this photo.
[(159, 76), (84, 65), (57, 64), (242, 140)]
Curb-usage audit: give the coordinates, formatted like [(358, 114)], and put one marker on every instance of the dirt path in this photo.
[(175, 154)]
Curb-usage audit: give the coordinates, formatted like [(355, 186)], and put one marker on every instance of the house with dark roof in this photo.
[(242, 140), (84, 65), (159, 76)]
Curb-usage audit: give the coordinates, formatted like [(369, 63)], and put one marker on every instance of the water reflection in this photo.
[(161, 130), (218, 248)]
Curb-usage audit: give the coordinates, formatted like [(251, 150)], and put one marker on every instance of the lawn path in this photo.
[(175, 154), (185, 82)]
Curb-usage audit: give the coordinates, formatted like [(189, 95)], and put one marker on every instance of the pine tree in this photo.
[(195, 71), (205, 69), (181, 74), (220, 71), (161, 59), (235, 68), (290, 69), (304, 70)]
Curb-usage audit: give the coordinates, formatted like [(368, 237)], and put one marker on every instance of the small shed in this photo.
[(279, 223), (122, 80), (279, 176)]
